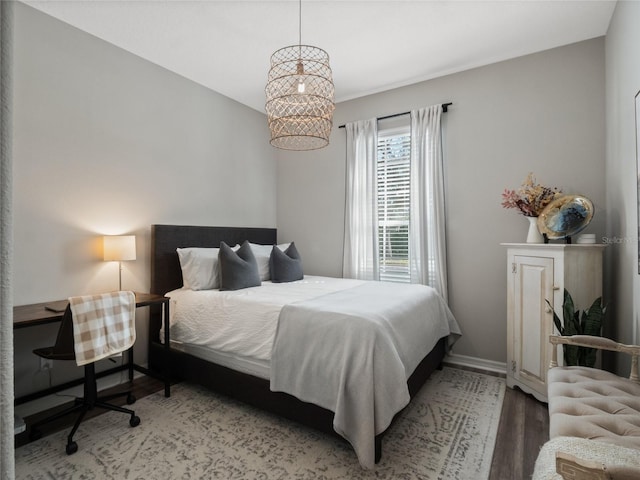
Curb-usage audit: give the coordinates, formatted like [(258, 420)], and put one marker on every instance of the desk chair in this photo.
[(64, 350)]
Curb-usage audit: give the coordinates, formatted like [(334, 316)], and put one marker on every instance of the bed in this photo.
[(265, 388)]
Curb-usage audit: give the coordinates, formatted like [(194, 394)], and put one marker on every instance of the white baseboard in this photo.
[(479, 363)]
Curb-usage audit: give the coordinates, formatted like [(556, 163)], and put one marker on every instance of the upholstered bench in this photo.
[(595, 405)]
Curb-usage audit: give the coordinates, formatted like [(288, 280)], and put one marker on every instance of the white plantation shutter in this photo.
[(393, 181)]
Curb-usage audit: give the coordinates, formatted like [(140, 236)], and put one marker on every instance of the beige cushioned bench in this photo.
[(595, 405)]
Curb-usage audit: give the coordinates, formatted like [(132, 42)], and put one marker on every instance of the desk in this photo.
[(25, 316)]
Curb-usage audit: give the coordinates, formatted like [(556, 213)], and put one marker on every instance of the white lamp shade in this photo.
[(119, 248)]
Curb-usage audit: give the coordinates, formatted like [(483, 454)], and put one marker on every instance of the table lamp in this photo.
[(119, 248)]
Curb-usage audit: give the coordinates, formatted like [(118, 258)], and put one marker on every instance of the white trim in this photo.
[(474, 362)]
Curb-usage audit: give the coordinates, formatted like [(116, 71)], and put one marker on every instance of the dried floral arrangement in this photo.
[(530, 198)]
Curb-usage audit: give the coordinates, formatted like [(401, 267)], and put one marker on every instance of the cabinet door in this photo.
[(533, 283)]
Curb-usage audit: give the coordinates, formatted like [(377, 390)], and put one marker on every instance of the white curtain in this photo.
[(7, 461), (427, 247), (361, 222)]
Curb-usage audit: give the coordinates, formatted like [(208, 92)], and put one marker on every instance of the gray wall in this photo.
[(623, 83), (108, 143), (542, 113)]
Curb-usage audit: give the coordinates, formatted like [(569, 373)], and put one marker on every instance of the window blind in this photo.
[(393, 177)]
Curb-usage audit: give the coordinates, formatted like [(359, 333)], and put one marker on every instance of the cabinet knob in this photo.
[(556, 288)]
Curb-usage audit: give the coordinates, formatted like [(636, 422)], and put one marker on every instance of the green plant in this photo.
[(590, 323)]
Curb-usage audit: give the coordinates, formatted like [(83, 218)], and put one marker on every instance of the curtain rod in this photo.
[(444, 110)]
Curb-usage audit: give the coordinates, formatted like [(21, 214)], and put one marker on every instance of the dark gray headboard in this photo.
[(165, 266)]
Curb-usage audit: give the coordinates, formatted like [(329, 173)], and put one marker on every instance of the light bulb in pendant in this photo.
[(300, 72)]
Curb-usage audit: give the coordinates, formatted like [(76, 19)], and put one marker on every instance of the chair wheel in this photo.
[(35, 434), (135, 421), (131, 399), (72, 447)]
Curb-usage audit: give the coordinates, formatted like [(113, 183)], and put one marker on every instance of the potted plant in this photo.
[(589, 323)]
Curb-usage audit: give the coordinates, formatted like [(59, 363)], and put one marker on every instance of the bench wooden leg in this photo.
[(573, 468)]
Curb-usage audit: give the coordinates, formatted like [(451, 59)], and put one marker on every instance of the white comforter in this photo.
[(345, 345)]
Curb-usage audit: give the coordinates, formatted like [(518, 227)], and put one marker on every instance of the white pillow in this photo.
[(262, 254), (199, 267)]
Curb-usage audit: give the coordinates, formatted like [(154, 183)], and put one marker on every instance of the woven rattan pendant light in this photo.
[(300, 96)]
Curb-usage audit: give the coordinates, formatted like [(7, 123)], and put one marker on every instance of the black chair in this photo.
[(64, 350)]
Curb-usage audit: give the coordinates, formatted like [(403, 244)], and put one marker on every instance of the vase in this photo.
[(534, 235)]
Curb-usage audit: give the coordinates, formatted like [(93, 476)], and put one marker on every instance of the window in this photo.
[(394, 166), (393, 183)]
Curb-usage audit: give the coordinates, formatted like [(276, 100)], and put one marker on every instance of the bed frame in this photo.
[(166, 276)]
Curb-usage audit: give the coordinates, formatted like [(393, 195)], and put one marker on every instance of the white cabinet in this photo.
[(535, 273)]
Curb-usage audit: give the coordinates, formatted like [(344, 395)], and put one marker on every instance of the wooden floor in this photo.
[(524, 427)]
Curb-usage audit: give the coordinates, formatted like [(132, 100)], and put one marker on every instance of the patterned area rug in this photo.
[(447, 432)]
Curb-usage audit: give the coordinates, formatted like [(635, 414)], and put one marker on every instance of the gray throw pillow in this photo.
[(238, 269), (285, 266)]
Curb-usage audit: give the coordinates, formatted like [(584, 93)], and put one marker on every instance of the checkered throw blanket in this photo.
[(103, 325)]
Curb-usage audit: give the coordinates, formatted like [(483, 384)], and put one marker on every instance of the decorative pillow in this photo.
[(285, 266), (262, 254), (199, 267), (237, 269)]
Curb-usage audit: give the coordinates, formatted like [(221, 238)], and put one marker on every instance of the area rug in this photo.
[(447, 432)]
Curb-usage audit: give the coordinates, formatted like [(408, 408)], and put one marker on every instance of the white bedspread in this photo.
[(241, 322), (352, 352), (345, 345)]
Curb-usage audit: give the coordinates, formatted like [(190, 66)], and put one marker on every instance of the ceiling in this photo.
[(374, 45)]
